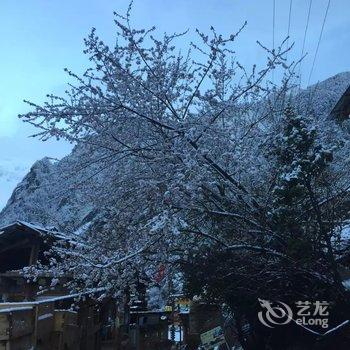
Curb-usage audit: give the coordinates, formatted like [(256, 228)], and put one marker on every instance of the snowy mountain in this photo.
[(44, 196), (10, 175), (322, 97), (50, 194)]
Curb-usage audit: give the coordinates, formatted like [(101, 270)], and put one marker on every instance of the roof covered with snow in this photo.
[(21, 229)]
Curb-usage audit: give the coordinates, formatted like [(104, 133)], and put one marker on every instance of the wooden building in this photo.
[(148, 330), (23, 244), (341, 111), (51, 324), (47, 322)]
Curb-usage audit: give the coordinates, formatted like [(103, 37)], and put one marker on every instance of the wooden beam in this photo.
[(34, 254)]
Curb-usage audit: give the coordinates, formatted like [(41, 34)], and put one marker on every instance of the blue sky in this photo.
[(41, 37)]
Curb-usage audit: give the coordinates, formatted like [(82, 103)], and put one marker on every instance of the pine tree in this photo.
[(303, 179)]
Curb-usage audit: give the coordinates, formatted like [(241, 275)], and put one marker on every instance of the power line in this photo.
[(304, 40), (313, 91), (289, 16), (289, 19), (273, 33), (273, 23), (318, 43)]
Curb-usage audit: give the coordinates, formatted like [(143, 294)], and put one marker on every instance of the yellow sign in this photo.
[(168, 308)]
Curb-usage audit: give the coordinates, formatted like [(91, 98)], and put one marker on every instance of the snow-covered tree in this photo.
[(295, 256), (194, 156)]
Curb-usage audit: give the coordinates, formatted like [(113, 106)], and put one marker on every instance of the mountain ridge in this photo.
[(50, 194)]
